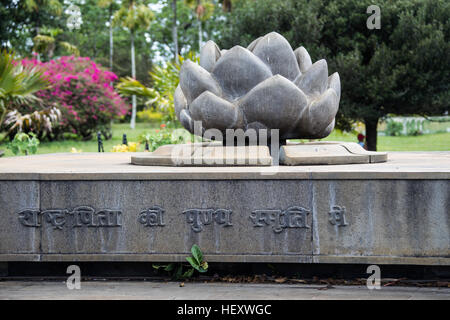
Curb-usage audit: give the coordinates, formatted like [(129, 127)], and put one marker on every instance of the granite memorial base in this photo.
[(98, 207)]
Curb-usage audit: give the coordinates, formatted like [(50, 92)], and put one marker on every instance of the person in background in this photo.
[(361, 138)]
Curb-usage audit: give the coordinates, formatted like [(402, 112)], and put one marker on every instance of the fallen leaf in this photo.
[(329, 286), (297, 280), (280, 280)]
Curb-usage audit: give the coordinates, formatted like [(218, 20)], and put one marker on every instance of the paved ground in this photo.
[(205, 291)]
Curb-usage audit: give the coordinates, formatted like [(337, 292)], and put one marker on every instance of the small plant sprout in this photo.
[(177, 271), (196, 261)]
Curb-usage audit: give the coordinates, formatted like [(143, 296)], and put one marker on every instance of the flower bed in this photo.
[(84, 93)]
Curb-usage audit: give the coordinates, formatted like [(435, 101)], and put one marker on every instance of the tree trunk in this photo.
[(38, 30), (175, 31), (200, 40), (95, 45), (111, 42), (371, 133), (133, 75)]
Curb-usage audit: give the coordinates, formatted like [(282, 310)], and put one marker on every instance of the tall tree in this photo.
[(15, 27), (163, 33), (134, 15), (49, 40), (38, 7), (403, 68), (203, 10), (111, 6), (175, 30)]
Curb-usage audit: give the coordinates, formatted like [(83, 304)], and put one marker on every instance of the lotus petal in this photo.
[(238, 71), (252, 45), (186, 120), (303, 59), (275, 51), (327, 130), (334, 82), (266, 86), (179, 101), (194, 80), (209, 55), (215, 112), (276, 103), (315, 80), (319, 115)]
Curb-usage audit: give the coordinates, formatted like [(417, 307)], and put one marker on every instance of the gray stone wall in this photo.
[(348, 221)]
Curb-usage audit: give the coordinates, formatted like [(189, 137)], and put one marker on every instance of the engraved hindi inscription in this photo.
[(198, 218), (82, 216), (292, 217), (86, 216), (337, 216), (152, 217)]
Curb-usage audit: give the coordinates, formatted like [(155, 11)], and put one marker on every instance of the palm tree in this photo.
[(203, 10), (36, 6), (227, 5), (175, 31), (110, 4), (17, 84), (135, 16), (47, 41)]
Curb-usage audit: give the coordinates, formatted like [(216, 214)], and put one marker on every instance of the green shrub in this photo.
[(83, 92), (159, 138), (393, 128), (413, 128), (24, 143), (148, 115)]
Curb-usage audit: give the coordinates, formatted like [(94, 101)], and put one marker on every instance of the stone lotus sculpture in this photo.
[(264, 86)]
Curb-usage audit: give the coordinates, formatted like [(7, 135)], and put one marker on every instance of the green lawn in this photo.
[(429, 142), (426, 142), (91, 146)]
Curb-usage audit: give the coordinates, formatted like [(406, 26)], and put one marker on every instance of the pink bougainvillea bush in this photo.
[(82, 90)]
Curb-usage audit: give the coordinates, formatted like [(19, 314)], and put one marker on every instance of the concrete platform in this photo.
[(109, 290), (116, 166), (98, 207)]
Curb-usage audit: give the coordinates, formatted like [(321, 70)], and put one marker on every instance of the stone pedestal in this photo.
[(292, 154), (98, 207)]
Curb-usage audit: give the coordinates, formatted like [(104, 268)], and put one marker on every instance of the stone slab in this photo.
[(383, 218), (319, 155), (311, 153), (116, 166), (205, 155), (328, 153), (14, 238)]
